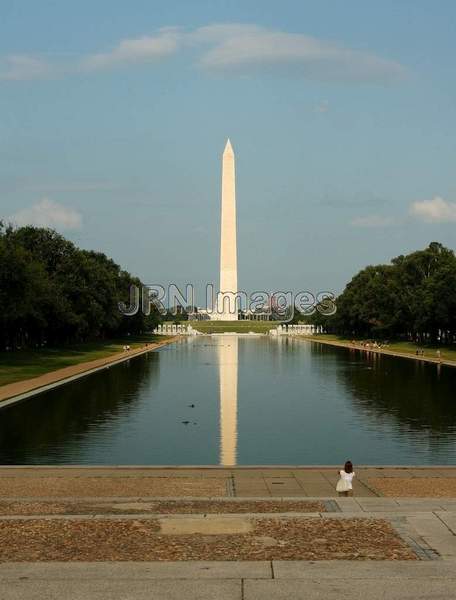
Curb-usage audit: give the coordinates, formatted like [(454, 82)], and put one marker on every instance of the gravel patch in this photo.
[(37, 508), (415, 487), (158, 507), (107, 486), (136, 540)]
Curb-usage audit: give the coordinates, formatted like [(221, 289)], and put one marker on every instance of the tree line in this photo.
[(52, 292), (413, 297)]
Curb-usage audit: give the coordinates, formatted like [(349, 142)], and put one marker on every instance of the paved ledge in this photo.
[(437, 484), (178, 570), (276, 580), (434, 588), (137, 570)]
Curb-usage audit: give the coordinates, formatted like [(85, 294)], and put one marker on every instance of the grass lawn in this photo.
[(233, 326), (20, 365), (430, 351)]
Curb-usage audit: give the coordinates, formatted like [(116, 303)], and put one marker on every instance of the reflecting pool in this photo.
[(242, 400)]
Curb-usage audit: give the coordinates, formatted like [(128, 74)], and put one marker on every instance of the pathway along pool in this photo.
[(242, 400)]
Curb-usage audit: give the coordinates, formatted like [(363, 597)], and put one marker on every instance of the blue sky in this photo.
[(341, 114)]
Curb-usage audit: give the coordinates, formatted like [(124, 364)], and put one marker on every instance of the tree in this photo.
[(53, 292), (414, 297)]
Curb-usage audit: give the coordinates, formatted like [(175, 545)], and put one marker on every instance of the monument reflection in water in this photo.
[(228, 391), (246, 400)]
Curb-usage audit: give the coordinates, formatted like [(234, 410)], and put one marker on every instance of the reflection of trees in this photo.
[(63, 418), (280, 353), (419, 396)]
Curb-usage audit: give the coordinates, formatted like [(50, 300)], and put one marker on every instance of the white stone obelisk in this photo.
[(227, 304)]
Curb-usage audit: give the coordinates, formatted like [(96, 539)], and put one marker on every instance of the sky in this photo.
[(342, 115)]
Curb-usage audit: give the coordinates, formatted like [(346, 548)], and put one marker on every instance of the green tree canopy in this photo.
[(414, 296), (53, 292)]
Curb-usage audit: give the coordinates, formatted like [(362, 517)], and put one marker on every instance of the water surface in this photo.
[(242, 400)]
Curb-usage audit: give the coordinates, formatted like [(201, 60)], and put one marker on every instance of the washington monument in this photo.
[(227, 308)]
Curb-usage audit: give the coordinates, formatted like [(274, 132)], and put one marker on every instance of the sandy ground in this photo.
[(118, 487), (145, 540), (415, 487), (158, 507)]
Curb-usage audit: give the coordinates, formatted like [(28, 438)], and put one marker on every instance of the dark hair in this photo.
[(348, 467)]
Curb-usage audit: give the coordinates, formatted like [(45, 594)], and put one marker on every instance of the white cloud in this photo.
[(322, 107), (241, 47), (139, 50), (372, 221), (47, 213), (227, 47), (76, 186), (436, 210), (22, 67)]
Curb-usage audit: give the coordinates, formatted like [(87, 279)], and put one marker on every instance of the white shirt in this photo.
[(348, 477)]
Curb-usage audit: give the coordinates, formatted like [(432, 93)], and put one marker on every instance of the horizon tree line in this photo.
[(413, 297), (52, 292)]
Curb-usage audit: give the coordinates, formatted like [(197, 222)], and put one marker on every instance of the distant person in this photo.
[(344, 486), (439, 356)]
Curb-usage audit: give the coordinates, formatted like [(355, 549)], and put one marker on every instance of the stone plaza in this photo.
[(411, 541)]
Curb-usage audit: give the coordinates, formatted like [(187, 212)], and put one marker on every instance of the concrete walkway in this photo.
[(229, 581), (358, 346), (275, 482), (427, 524), (276, 580)]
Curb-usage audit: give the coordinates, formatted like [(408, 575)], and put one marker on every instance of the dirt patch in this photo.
[(107, 486), (36, 508), (206, 526), (158, 507), (141, 540), (415, 487)]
